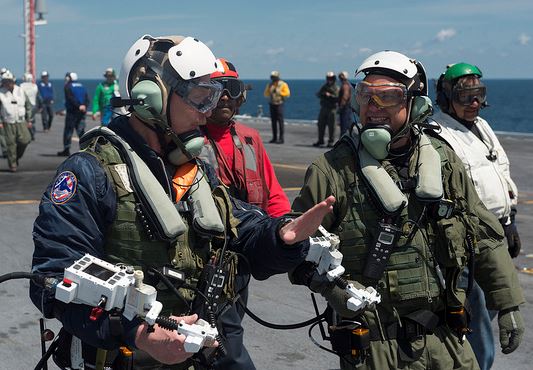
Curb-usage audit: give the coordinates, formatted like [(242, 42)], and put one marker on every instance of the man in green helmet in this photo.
[(460, 96), (409, 222)]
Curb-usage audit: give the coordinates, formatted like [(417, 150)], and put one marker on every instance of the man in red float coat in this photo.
[(237, 152)]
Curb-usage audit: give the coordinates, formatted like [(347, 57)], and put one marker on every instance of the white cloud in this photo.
[(445, 34), (209, 43), (274, 52), (365, 51), (523, 39)]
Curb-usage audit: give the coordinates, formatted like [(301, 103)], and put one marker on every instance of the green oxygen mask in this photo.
[(376, 140)]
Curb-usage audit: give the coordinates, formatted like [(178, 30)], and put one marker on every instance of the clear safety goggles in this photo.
[(383, 95), (202, 96), (466, 95), (233, 87)]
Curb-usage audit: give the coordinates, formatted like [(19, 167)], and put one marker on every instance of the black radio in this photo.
[(378, 255)]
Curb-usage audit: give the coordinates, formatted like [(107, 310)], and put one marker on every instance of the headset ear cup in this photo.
[(150, 93), (442, 101), (421, 108), (354, 103)]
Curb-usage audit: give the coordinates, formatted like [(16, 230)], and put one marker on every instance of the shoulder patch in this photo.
[(64, 187)]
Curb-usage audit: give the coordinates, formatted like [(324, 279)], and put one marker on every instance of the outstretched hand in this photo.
[(307, 224)]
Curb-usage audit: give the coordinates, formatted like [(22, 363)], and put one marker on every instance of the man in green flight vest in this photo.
[(409, 221)]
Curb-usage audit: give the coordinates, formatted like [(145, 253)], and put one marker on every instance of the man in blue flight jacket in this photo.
[(113, 200)]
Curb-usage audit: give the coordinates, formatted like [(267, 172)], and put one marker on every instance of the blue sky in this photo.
[(301, 38)]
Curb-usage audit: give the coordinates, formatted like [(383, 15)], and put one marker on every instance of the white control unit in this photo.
[(198, 335), (94, 282), (91, 279)]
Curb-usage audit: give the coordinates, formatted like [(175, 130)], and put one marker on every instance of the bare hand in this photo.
[(164, 345), (83, 108), (29, 124), (307, 224), (96, 115)]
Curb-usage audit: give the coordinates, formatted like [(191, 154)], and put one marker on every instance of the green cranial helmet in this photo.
[(461, 69), (448, 82)]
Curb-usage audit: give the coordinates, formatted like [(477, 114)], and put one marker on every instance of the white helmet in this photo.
[(28, 77), (154, 67), (409, 72), (8, 76)]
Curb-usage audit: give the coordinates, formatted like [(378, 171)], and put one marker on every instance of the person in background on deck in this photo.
[(460, 96), (345, 109), (46, 101), (76, 103), (15, 121), (102, 97), (32, 92), (242, 162), (277, 91)]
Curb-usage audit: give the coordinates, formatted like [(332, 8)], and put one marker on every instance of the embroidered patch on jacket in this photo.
[(64, 187)]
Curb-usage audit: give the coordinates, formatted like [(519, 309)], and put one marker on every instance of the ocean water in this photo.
[(510, 105)]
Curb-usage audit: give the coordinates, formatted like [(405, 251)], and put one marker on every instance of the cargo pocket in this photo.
[(451, 243)]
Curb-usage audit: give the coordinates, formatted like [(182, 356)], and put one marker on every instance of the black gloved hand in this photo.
[(511, 233), (306, 274), (513, 239)]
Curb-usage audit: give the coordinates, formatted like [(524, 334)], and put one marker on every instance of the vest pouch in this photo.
[(408, 276), (255, 192), (451, 243), (353, 248)]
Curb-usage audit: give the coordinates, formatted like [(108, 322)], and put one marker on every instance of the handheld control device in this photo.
[(324, 253), (198, 335), (94, 282)]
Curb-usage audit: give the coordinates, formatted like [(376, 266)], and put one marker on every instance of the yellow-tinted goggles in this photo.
[(384, 95)]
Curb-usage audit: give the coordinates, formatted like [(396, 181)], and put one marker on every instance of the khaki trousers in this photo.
[(17, 139)]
